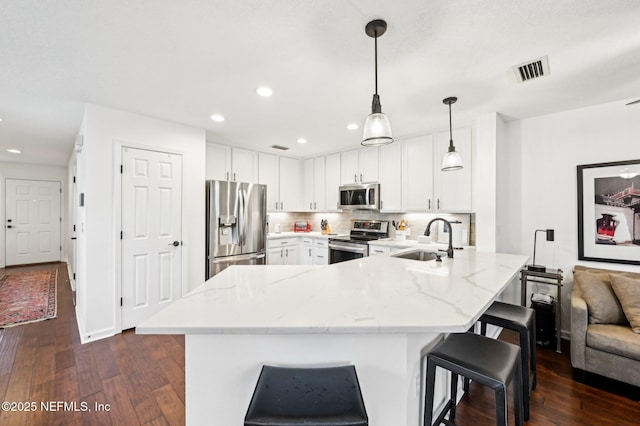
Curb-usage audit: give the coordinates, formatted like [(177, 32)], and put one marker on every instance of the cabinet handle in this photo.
[(337, 204), (321, 257), (227, 175), (314, 206), (287, 251), (276, 205), (234, 176), (429, 203), (309, 252), (381, 204), (377, 251), (310, 206), (438, 203), (281, 252), (355, 178), (360, 177)]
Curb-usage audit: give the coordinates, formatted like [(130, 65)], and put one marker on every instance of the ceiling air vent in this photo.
[(532, 69), (280, 147)]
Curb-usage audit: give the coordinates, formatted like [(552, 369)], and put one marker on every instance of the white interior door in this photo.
[(33, 221), (151, 232)]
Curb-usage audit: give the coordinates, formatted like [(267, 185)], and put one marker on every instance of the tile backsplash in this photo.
[(341, 222)]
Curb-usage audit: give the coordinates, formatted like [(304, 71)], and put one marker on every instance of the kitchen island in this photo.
[(377, 313)]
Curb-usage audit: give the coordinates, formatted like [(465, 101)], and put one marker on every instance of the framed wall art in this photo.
[(609, 212)]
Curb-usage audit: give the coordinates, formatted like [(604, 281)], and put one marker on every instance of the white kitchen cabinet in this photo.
[(376, 250), (390, 174), (282, 251), (320, 251), (229, 163), (452, 189), (359, 165), (306, 251), (291, 186), (417, 174), (332, 182), (268, 174), (314, 184)]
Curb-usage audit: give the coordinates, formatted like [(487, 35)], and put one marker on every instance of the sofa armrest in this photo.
[(579, 324)]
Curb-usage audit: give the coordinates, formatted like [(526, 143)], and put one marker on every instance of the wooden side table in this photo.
[(550, 277)]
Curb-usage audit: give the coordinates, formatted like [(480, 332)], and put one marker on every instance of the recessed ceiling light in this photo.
[(14, 151), (352, 126), (302, 140), (264, 91), (217, 118), (0, 120)]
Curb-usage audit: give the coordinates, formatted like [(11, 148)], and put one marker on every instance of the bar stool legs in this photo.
[(487, 361)]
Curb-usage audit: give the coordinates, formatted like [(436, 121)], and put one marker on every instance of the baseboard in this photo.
[(93, 336)]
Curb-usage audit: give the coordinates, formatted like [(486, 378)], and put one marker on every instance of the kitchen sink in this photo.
[(418, 254)]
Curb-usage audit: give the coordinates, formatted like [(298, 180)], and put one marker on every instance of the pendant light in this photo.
[(451, 160), (377, 130)]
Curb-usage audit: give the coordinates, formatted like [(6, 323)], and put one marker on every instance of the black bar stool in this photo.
[(307, 396), (522, 320), (490, 362)]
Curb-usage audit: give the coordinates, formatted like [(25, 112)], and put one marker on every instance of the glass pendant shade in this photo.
[(451, 161), (377, 130)]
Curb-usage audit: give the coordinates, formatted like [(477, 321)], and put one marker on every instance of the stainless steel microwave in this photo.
[(360, 196)]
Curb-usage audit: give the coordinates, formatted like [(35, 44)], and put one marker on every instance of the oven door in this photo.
[(341, 252)]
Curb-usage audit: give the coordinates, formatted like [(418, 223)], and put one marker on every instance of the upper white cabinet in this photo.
[(452, 189), (417, 173), (332, 181), (269, 174), (291, 185), (228, 163), (359, 165), (314, 184), (390, 175), (425, 186)]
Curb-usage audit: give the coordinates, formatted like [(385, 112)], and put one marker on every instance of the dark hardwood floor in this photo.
[(142, 379)]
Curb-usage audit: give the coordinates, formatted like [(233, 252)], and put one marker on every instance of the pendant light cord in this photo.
[(375, 44)]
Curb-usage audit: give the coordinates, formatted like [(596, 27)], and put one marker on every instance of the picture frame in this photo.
[(609, 212)]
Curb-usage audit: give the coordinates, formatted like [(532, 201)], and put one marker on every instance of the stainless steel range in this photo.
[(355, 246)]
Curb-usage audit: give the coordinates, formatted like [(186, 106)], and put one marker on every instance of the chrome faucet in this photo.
[(427, 232)]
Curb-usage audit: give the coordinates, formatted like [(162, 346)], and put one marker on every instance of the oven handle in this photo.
[(347, 248)]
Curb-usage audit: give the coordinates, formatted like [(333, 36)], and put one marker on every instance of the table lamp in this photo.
[(550, 237)]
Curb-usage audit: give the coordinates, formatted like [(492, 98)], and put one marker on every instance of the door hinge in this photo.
[(121, 169), (121, 301), (120, 234)]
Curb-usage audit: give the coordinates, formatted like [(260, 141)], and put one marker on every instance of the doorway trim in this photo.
[(117, 213)]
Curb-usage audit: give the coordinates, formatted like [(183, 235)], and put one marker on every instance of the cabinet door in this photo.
[(332, 182), (244, 165), (218, 162), (368, 164), (349, 167), (390, 174), (275, 256), (417, 175), (291, 178), (291, 255), (320, 251), (306, 254), (318, 184), (375, 250), (268, 175), (307, 203), (452, 190)]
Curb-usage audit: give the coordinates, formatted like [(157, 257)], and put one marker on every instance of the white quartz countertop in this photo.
[(377, 294), (289, 234), (392, 242)]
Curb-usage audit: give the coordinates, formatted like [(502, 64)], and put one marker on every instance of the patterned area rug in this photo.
[(27, 297)]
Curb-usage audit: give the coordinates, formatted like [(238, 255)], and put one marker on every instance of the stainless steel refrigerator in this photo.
[(236, 225)]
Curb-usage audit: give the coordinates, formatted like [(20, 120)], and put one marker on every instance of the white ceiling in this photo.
[(183, 61)]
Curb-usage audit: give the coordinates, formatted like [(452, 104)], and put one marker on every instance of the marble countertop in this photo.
[(377, 294)]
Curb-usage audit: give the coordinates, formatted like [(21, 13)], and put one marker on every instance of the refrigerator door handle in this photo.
[(238, 258)]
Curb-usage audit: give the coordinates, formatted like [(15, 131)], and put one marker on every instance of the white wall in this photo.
[(36, 172), (104, 131), (537, 188)]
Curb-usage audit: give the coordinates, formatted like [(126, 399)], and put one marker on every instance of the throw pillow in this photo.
[(604, 307), (628, 292)]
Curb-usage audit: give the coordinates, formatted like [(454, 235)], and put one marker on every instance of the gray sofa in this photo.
[(607, 345)]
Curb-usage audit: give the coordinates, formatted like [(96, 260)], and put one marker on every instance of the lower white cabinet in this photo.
[(320, 251), (282, 251), (375, 250), (306, 251)]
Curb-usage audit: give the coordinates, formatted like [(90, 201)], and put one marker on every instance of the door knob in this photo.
[(175, 243)]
